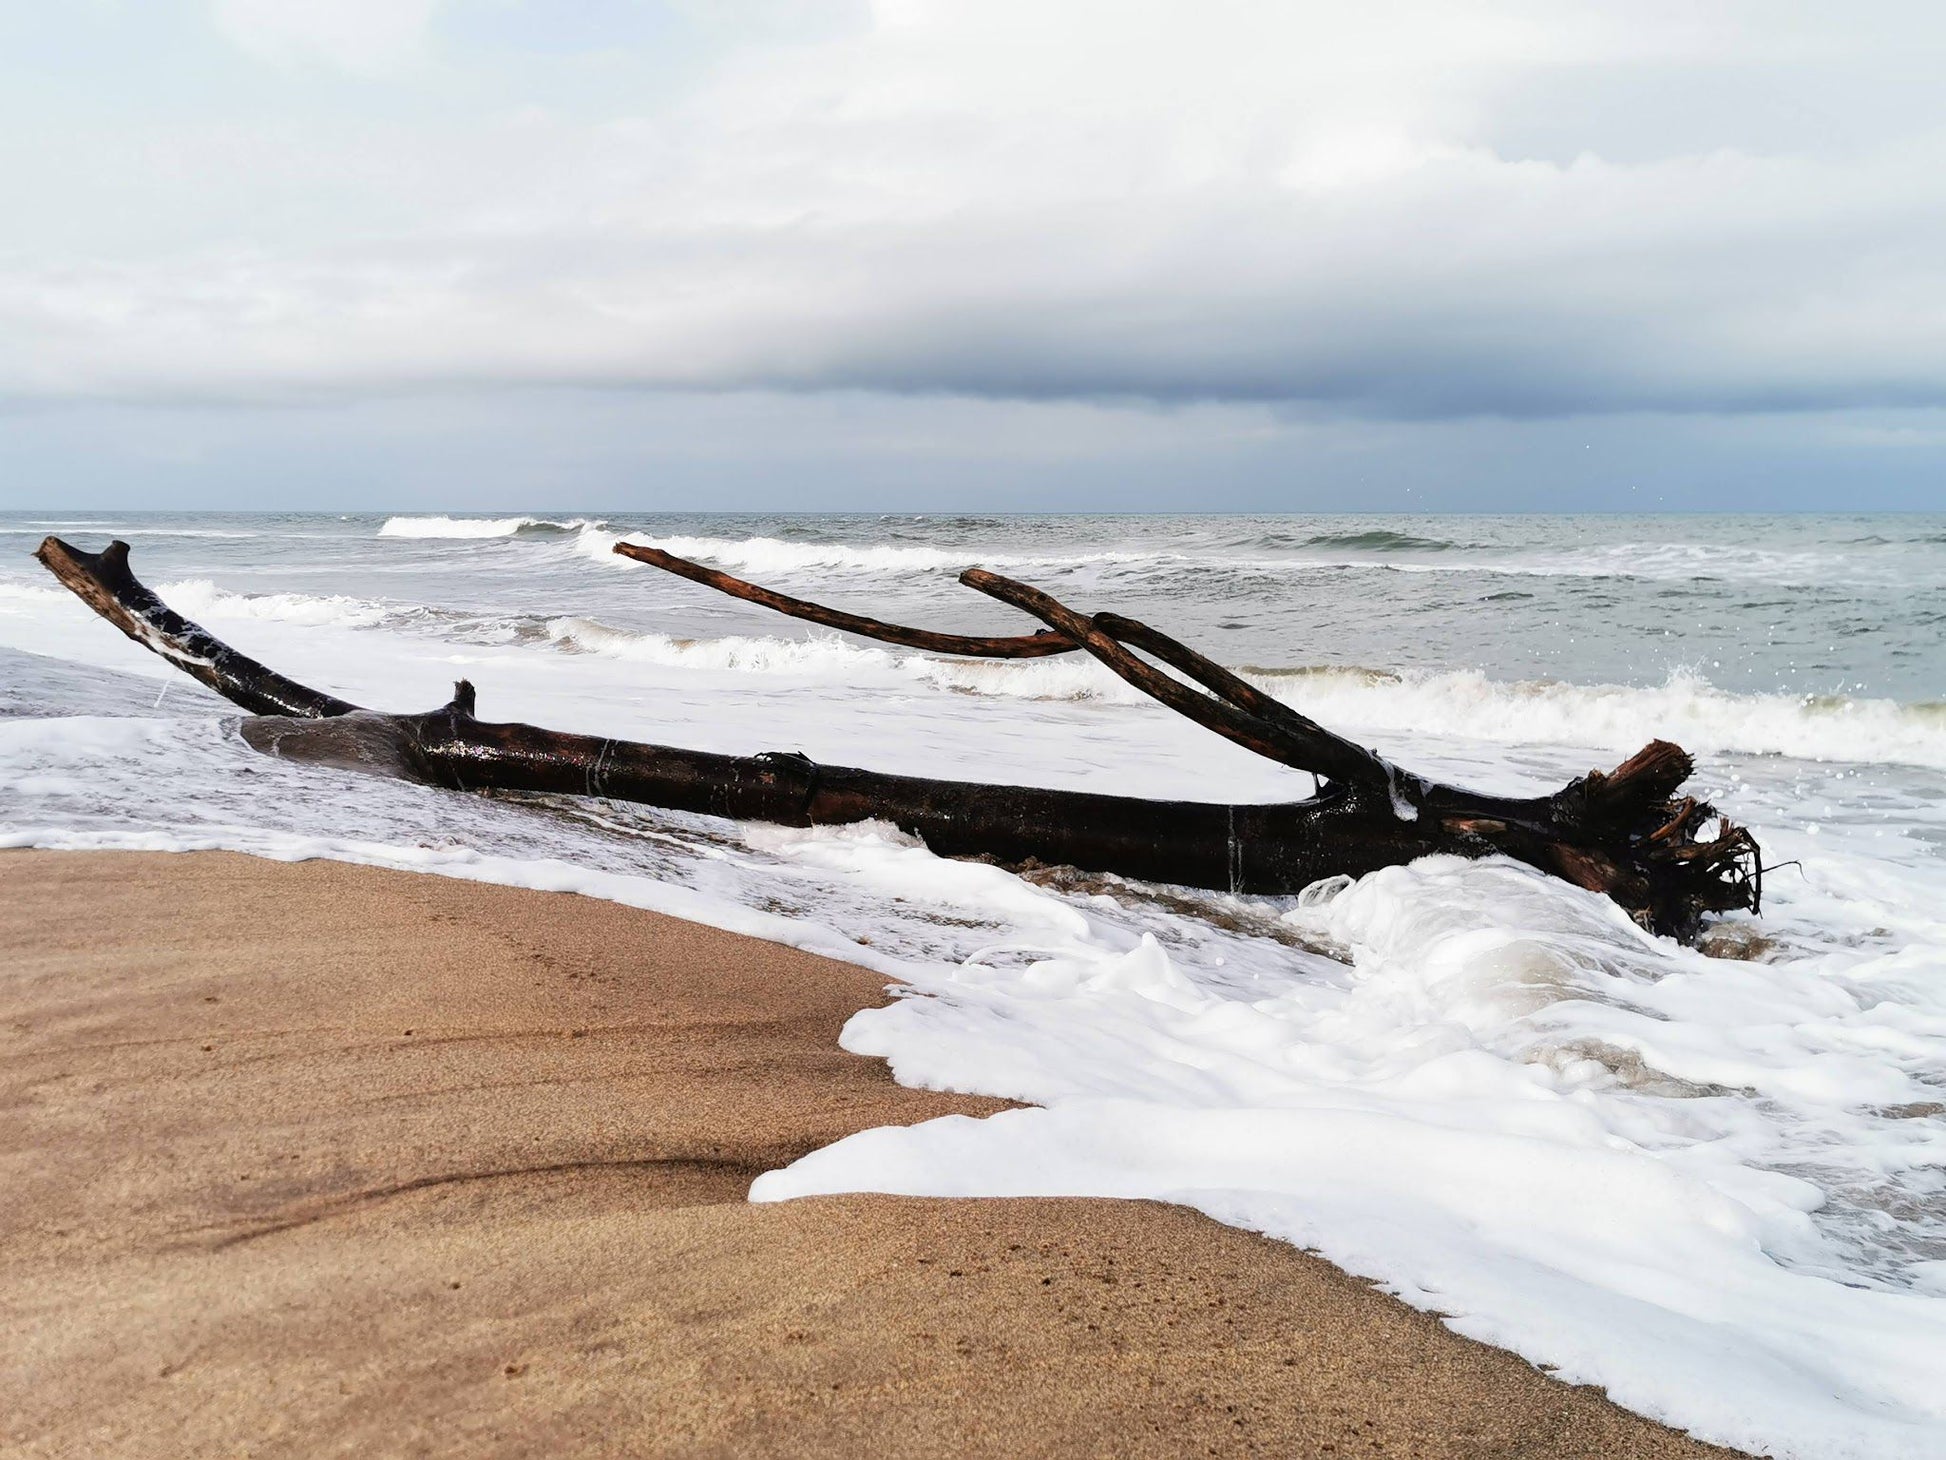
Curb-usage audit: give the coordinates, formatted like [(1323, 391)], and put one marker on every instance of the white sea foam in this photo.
[(758, 556), (823, 656), (1713, 1186), (838, 661), (199, 598), (39, 529), (478, 527), (1651, 561), (1686, 708), (1576, 1141), (27, 597), (1616, 1157), (761, 556)]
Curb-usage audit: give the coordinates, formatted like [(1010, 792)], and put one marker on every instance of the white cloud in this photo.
[(369, 37), (1419, 208)]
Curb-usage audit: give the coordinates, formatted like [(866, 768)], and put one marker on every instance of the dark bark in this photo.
[(1623, 833), (1022, 646), (1235, 709), (103, 582)]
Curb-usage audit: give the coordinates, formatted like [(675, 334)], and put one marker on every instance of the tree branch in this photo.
[(1028, 646), (1622, 834), (1239, 711), (103, 581)]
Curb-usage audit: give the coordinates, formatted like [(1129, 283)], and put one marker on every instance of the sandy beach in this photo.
[(315, 1159)]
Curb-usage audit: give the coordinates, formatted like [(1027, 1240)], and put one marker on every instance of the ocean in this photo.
[(1710, 1180)]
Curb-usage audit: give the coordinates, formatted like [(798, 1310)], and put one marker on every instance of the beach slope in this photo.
[(317, 1159)]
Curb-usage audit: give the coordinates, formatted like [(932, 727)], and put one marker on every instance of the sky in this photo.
[(1001, 254)]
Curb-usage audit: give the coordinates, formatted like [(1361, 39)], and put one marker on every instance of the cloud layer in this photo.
[(1394, 209), (368, 37)]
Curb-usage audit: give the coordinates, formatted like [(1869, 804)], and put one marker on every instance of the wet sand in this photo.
[(316, 1159)]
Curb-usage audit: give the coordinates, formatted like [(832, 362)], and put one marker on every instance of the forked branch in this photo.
[(1025, 646), (103, 582), (1239, 710), (1668, 861)]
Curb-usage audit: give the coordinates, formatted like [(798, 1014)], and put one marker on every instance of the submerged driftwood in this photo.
[(1625, 833)]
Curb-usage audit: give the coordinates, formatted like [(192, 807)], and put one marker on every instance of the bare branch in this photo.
[(1624, 834), (1240, 712), (103, 581), (1027, 646)]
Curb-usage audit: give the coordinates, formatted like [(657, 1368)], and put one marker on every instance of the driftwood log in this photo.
[(1669, 860)]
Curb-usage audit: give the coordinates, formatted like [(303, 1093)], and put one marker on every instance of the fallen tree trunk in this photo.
[(1623, 834)]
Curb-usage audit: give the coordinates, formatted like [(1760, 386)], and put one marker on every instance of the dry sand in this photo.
[(319, 1160)]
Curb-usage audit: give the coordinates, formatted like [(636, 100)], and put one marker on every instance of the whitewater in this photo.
[(1712, 1181)]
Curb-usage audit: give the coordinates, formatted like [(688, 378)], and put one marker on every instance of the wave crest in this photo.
[(1380, 541), (739, 654), (482, 527), (1686, 708), (198, 598), (1371, 551), (760, 555)]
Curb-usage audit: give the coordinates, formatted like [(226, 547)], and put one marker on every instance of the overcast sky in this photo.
[(1004, 253)]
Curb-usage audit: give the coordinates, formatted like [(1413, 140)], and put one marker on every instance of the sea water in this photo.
[(1712, 1181)]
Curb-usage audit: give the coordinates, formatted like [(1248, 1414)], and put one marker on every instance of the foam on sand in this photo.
[(1514, 1108), (1711, 1184), (717, 1046)]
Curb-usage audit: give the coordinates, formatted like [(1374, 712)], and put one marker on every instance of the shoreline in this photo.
[(315, 1158)]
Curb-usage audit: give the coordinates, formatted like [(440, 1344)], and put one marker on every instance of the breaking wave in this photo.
[(737, 654), (482, 527), (1422, 1072), (758, 556), (1686, 707), (198, 598), (37, 528), (1375, 551), (1365, 701), (761, 556), (1382, 542)]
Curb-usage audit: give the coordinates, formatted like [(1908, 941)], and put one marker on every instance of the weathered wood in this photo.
[(1239, 710), (103, 582), (1618, 833), (1024, 646)]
